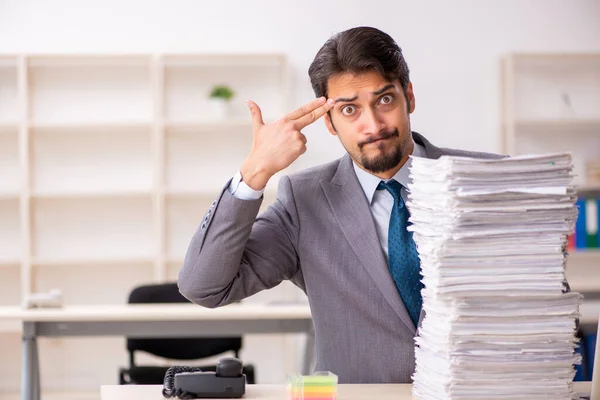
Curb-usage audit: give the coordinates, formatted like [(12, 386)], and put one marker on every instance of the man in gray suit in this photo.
[(337, 231)]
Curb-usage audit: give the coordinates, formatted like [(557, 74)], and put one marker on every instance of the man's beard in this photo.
[(383, 161)]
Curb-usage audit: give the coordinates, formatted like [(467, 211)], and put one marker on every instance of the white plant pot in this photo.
[(219, 108)]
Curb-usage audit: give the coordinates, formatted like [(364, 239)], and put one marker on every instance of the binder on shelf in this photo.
[(580, 230), (571, 242), (586, 235), (591, 223)]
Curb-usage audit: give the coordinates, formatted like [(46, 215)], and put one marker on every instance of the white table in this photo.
[(156, 320), (173, 320), (277, 392), (264, 392)]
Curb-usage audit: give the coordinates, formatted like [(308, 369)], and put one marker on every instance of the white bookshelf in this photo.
[(551, 103), (112, 160), (108, 164), (9, 89), (10, 247), (11, 250), (9, 130)]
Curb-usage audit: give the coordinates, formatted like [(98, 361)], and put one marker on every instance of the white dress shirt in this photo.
[(380, 201), (241, 190)]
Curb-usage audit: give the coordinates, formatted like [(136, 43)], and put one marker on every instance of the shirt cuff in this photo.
[(241, 190)]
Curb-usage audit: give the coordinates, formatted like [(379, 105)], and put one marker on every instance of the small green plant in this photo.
[(222, 92)]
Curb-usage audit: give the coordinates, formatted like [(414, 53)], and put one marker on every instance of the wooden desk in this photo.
[(277, 392), (156, 320)]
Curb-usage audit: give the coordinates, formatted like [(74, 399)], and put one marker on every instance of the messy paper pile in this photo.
[(491, 234)]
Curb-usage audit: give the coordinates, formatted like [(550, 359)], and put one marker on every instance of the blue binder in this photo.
[(580, 228)]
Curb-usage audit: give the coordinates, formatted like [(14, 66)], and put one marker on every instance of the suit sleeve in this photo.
[(235, 254)]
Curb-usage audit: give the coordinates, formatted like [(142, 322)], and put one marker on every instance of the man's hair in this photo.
[(358, 50)]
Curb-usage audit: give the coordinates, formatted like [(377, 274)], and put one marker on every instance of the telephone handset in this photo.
[(227, 382)]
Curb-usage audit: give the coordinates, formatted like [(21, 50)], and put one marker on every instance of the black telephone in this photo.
[(227, 382)]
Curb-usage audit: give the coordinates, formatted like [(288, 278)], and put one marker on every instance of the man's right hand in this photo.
[(276, 145)]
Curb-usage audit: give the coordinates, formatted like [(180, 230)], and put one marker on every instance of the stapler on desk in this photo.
[(227, 382)]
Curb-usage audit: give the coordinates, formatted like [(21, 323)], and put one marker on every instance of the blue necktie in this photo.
[(403, 258)]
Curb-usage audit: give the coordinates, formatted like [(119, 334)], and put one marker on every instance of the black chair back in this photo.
[(176, 348)]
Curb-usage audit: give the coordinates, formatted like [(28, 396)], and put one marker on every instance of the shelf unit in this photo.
[(589, 190), (583, 272), (551, 103), (11, 201), (11, 251), (109, 162)]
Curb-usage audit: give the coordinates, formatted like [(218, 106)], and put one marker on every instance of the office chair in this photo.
[(583, 371), (172, 348)]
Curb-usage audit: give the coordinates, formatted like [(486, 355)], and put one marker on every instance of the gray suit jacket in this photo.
[(319, 234)]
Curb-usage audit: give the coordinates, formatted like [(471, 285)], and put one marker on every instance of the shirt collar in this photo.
[(369, 182)]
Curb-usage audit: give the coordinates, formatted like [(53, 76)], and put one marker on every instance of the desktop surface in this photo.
[(264, 392), (277, 392), (170, 311)]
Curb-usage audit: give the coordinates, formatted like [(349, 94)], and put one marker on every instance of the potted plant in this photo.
[(220, 96)]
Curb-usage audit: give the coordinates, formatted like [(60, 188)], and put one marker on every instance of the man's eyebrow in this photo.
[(345, 99), (376, 93), (383, 89)]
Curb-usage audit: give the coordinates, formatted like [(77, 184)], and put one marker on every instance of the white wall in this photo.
[(452, 47)]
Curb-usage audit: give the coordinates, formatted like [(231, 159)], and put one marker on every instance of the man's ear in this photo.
[(410, 98), (329, 124)]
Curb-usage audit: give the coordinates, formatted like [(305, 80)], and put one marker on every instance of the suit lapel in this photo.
[(431, 151), (352, 212)]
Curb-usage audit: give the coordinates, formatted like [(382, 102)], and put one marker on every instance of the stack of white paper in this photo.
[(491, 236)]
